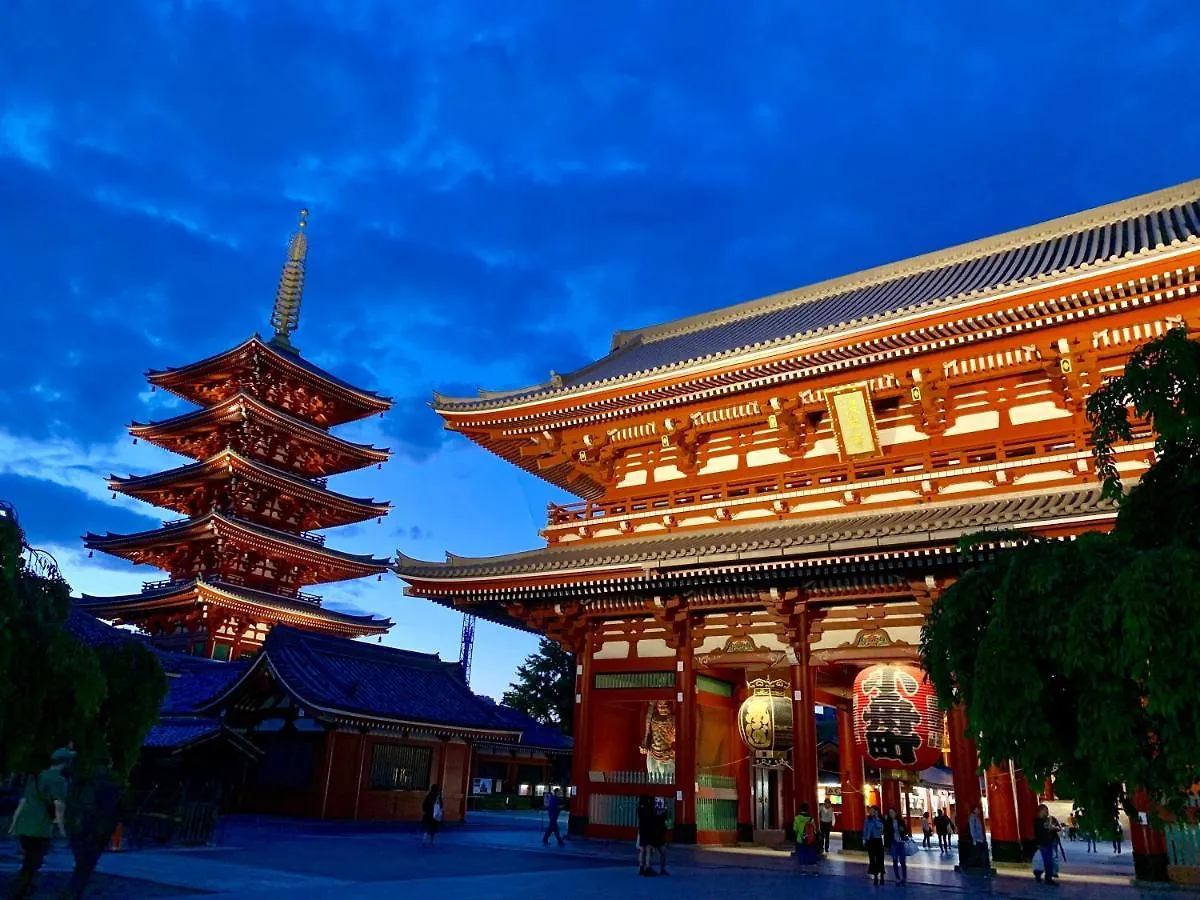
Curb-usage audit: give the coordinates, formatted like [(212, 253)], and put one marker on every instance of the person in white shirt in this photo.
[(826, 816)]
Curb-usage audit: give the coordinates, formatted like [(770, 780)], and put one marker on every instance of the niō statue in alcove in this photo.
[(658, 742)]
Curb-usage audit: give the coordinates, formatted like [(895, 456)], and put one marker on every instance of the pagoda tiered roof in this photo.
[(259, 606), (326, 400), (177, 542), (184, 488), (312, 452), (799, 322)]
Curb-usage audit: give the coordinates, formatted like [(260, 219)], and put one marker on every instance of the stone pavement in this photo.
[(498, 856)]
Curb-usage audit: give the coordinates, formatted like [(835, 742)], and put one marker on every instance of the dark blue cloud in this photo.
[(496, 187)]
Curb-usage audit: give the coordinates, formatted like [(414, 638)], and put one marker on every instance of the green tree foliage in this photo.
[(55, 689), (544, 688), (1079, 657)]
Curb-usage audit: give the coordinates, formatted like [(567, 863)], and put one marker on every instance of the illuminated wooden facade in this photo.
[(244, 556), (778, 487)]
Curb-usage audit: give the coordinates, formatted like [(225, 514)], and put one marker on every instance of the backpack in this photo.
[(810, 834)]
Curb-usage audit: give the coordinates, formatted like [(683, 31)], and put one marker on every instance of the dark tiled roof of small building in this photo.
[(534, 734), (1122, 230), (352, 679), (863, 531)]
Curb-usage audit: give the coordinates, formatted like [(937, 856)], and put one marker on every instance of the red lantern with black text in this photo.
[(897, 722)]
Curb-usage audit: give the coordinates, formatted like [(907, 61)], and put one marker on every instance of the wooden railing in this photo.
[(914, 465), (634, 777)]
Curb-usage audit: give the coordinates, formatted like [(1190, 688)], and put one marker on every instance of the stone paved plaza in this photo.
[(497, 857)]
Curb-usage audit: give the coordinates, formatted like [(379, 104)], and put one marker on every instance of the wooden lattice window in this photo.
[(395, 767)]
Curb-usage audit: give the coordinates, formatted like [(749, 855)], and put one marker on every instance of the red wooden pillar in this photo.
[(745, 813), (1027, 806), (964, 765), (804, 725), (685, 741), (851, 763), (1150, 857), (891, 795), (1002, 815), (581, 758)]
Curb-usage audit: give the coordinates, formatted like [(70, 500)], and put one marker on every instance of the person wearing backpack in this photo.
[(806, 840), (41, 810)]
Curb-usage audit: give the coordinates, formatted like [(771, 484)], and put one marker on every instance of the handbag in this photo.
[(437, 811), (910, 847)]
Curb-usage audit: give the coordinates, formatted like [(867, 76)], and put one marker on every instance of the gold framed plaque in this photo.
[(853, 421)]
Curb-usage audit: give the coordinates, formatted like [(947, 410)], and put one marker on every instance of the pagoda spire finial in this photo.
[(285, 317)]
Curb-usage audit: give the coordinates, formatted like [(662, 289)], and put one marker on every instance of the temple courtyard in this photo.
[(499, 856)]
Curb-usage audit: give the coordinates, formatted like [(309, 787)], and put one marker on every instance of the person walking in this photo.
[(826, 816), (941, 824), (873, 840), (1118, 835), (895, 833), (553, 811), (926, 831), (645, 833), (658, 833), (1045, 836), (41, 810), (1090, 837), (432, 813), (93, 812), (1059, 849)]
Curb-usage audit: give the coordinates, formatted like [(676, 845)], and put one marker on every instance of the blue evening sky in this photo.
[(496, 187)]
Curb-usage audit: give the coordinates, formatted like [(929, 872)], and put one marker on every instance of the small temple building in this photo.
[(245, 553), (771, 497)]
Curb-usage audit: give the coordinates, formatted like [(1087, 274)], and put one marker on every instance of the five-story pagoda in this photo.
[(244, 553)]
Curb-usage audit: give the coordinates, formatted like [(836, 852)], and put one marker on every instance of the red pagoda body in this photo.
[(244, 554)]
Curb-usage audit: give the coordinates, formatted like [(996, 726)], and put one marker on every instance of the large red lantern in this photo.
[(897, 723)]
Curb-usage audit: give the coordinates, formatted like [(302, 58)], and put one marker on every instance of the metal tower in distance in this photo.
[(467, 649)]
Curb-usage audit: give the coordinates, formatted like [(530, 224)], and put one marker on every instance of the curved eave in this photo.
[(262, 606), (159, 431), (1123, 213), (564, 475), (225, 526), (216, 466), (176, 378)]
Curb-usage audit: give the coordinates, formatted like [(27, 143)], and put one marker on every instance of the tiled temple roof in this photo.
[(370, 685), (268, 604), (1108, 234), (842, 534)]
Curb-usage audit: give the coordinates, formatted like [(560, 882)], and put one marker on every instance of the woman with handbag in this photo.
[(895, 838), (432, 814)]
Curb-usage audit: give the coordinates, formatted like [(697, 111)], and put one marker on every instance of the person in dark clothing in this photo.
[(93, 812), (40, 812), (1046, 837), (553, 811), (646, 827), (431, 815), (941, 824), (873, 839)]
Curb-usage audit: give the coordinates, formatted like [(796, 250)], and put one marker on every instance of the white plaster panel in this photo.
[(817, 504), (890, 496), (901, 434), (612, 650), (606, 532), (633, 478), (767, 457), (1036, 412), (711, 643), (836, 637), (650, 526), (961, 486), (697, 520), (1039, 477), (719, 464), (972, 422), (653, 648), (753, 514), (822, 447), (668, 473)]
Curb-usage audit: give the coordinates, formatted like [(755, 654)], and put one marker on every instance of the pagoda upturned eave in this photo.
[(155, 489), (262, 606), (216, 377), (203, 424), (268, 542)]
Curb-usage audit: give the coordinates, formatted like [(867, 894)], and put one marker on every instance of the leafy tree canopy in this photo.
[(1079, 657), (544, 688), (55, 689)]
